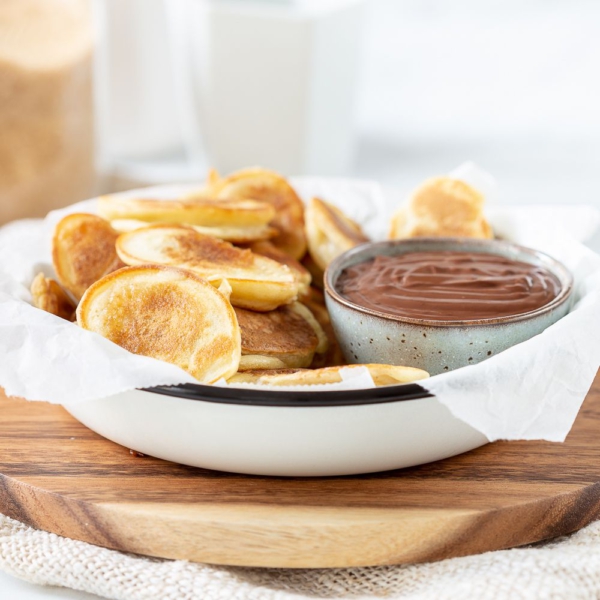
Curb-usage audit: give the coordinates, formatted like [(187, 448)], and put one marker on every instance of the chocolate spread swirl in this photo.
[(448, 286)]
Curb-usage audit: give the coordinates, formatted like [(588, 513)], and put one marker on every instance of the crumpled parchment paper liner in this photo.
[(534, 390), (531, 391)]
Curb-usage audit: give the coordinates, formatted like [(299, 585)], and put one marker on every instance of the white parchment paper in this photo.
[(531, 391)]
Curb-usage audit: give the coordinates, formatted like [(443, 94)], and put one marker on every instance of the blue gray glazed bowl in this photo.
[(368, 336)]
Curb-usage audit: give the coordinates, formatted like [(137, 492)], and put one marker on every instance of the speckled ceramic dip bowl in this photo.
[(370, 336)]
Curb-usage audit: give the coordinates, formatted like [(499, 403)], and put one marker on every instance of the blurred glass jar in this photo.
[(46, 105)]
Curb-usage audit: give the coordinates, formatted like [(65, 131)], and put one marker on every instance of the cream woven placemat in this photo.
[(567, 568)]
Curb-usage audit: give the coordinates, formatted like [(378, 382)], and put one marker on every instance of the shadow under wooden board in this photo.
[(59, 476)]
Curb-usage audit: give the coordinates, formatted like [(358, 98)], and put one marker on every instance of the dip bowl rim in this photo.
[(539, 258)]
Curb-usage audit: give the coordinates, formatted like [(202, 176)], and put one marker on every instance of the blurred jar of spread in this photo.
[(46, 105)]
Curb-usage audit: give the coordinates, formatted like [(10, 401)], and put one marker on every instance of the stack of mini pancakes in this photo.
[(226, 282)]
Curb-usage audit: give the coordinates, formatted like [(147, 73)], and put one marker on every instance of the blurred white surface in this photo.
[(473, 68), (135, 98), (510, 84), (275, 82), (244, 82)]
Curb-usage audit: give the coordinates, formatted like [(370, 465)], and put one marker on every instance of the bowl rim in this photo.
[(296, 399), (557, 268)]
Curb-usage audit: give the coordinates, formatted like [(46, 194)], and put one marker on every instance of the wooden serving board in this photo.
[(59, 476)]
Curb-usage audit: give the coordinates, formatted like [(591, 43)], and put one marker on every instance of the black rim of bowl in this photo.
[(261, 397)]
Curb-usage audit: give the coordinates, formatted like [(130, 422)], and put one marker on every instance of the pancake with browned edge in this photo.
[(207, 212), (47, 295), (381, 374), (330, 232), (442, 207), (83, 251), (257, 282), (166, 313), (270, 187), (289, 334)]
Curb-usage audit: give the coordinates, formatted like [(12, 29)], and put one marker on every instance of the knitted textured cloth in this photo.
[(565, 568)]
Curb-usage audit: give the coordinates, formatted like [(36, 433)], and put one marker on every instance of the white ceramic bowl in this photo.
[(282, 433)]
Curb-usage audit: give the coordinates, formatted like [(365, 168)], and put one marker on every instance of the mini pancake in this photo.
[(268, 249), (252, 362), (83, 251), (166, 313), (207, 212), (235, 235), (290, 334), (315, 302), (442, 207), (270, 187), (381, 374), (404, 225), (258, 283), (330, 232), (316, 273), (251, 376), (47, 295)]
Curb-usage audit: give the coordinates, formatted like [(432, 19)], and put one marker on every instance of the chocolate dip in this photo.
[(448, 285)]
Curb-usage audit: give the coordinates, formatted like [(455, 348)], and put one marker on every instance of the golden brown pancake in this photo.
[(252, 375), (333, 356), (316, 273), (166, 313), (268, 249), (289, 334), (442, 207), (257, 282), (83, 251), (252, 362), (381, 374), (235, 235), (270, 187), (330, 232), (207, 212), (47, 295)]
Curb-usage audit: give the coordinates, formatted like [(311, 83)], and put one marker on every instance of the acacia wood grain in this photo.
[(59, 476)]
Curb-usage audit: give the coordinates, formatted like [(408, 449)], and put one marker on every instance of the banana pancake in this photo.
[(252, 362), (257, 282), (268, 249), (253, 375), (47, 295), (166, 313), (208, 212), (315, 302), (289, 334), (330, 232), (83, 251), (270, 187), (381, 374), (235, 235), (442, 207)]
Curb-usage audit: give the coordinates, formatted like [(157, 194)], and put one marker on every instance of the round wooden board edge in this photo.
[(255, 535)]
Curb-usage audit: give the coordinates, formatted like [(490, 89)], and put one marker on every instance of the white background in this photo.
[(512, 84)]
